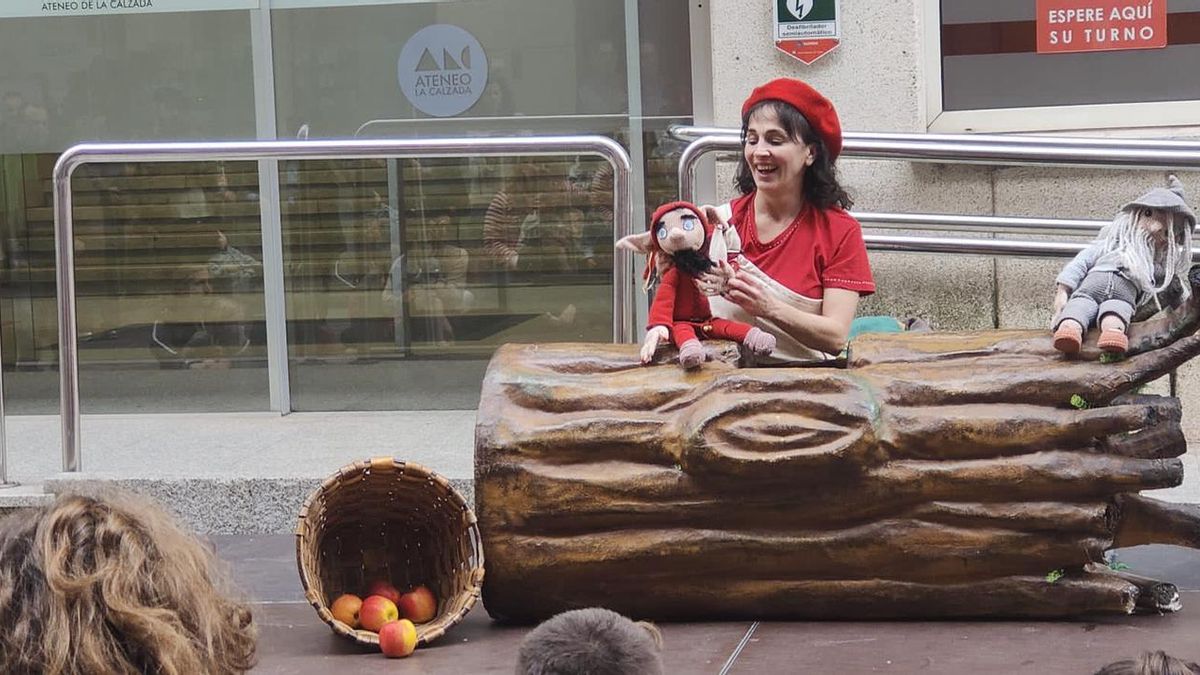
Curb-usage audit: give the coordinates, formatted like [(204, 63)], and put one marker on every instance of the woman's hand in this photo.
[(716, 280), (749, 293)]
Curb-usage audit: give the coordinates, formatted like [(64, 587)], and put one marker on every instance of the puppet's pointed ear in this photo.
[(638, 243)]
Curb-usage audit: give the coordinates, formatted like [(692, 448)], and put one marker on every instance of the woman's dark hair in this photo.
[(821, 187)]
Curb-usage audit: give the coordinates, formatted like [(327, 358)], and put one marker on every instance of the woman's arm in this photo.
[(826, 331), (498, 225)]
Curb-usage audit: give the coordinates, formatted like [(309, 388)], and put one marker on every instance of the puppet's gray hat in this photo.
[(1169, 198)]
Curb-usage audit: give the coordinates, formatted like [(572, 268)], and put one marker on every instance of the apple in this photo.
[(382, 587), (397, 639), (376, 611), (418, 605), (346, 608)]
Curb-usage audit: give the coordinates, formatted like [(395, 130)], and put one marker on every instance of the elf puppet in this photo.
[(1134, 259), (680, 312)]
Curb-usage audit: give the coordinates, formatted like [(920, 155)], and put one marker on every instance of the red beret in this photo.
[(669, 207), (816, 108)]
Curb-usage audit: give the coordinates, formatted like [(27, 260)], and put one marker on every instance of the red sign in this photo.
[(1100, 25), (807, 50)]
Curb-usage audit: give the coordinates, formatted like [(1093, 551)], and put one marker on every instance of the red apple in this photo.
[(382, 587), (418, 605), (376, 611), (346, 608), (397, 639)]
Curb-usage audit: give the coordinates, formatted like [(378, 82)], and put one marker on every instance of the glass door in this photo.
[(168, 255), (404, 276)]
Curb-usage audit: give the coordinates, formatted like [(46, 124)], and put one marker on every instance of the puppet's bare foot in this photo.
[(759, 341), (1068, 338), (1113, 341), (691, 354)]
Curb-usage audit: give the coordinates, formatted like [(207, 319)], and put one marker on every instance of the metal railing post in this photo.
[(3, 432), (109, 153), (68, 333)]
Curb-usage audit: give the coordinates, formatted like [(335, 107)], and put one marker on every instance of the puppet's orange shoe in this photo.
[(1068, 338), (1113, 341)]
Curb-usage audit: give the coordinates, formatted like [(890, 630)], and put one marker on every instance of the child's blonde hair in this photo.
[(111, 584)]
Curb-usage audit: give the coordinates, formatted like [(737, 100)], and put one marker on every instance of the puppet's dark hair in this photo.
[(692, 262)]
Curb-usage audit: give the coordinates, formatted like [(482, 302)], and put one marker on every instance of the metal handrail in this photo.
[(1010, 151), (684, 132), (967, 149), (108, 153), (957, 223), (507, 119)]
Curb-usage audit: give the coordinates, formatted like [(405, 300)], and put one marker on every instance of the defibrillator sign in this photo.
[(806, 29)]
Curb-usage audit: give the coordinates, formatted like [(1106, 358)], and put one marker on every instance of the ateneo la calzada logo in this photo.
[(442, 70)]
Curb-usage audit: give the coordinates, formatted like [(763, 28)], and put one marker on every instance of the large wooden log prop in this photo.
[(937, 475)]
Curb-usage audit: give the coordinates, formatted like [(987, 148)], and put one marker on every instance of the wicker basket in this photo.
[(386, 519)]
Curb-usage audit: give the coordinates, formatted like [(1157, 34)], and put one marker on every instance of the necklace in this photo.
[(778, 238)]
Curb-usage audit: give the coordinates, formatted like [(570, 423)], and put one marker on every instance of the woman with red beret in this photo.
[(803, 264)]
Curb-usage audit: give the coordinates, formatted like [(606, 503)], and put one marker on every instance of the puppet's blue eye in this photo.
[(689, 224), (661, 232)]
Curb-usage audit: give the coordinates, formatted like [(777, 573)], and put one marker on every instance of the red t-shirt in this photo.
[(822, 248)]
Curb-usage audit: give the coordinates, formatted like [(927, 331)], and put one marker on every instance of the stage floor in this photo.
[(292, 639)]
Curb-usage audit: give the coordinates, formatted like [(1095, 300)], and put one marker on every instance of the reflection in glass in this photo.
[(403, 276), (421, 284), (168, 285), (146, 234)]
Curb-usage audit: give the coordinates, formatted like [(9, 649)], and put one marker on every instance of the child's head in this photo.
[(113, 585), (1150, 663), (595, 641)]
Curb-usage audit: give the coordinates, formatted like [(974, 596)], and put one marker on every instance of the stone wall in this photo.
[(877, 79)]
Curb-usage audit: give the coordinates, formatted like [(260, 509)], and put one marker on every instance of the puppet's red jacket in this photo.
[(678, 299)]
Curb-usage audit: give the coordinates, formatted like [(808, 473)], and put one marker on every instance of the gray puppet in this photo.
[(1136, 257)]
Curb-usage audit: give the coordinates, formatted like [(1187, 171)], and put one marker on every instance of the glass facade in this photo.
[(400, 276)]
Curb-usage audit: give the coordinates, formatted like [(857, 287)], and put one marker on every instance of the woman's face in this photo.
[(777, 161), (530, 183)]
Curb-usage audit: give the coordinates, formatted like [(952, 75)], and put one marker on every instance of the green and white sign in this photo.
[(807, 29), (29, 8)]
